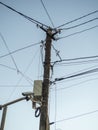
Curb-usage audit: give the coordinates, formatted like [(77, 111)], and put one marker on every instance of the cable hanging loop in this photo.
[(37, 112)]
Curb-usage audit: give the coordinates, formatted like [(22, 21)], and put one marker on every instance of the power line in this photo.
[(78, 62), (79, 58), (23, 48), (9, 51), (7, 67), (80, 71), (83, 77), (77, 116), (26, 77), (65, 62), (91, 20), (42, 47), (47, 12), (55, 107), (96, 11), (87, 59), (23, 76), (25, 16), (78, 32), (13, 86), (74, 85), (40, 61), (76, 75), (57, 52)]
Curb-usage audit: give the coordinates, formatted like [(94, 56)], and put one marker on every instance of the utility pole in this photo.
[(44, 119)]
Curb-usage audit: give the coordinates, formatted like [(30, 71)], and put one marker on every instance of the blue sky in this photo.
[(67, 98)]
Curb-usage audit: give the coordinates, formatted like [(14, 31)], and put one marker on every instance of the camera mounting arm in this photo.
[(14, 101)]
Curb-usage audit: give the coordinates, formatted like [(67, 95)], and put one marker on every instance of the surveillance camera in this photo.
[(27, 93)]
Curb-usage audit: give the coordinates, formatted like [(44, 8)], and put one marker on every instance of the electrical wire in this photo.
[(8, 67), (13, 86), (26, 78), (28, 67), (23, 75), (75, 85), (25, 16), (57, 52), (76, 116), (9, 51), (78, 58), (23, 48), (78, 62), (76, 75), (40, 62), (58, 89), (41, 52), (19, 72), (96, 11), (80, 71), (78, 32), (55, 107), (47, 12), (91, 20)]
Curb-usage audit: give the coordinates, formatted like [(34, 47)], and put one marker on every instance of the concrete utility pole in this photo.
[(44, 119)]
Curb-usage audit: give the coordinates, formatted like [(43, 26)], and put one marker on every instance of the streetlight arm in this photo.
[(14, 101)]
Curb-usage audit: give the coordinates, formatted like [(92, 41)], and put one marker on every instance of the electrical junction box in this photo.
[(37, 93), (37, 90)]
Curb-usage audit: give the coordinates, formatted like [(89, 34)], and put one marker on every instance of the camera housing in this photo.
[(27, 94)]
